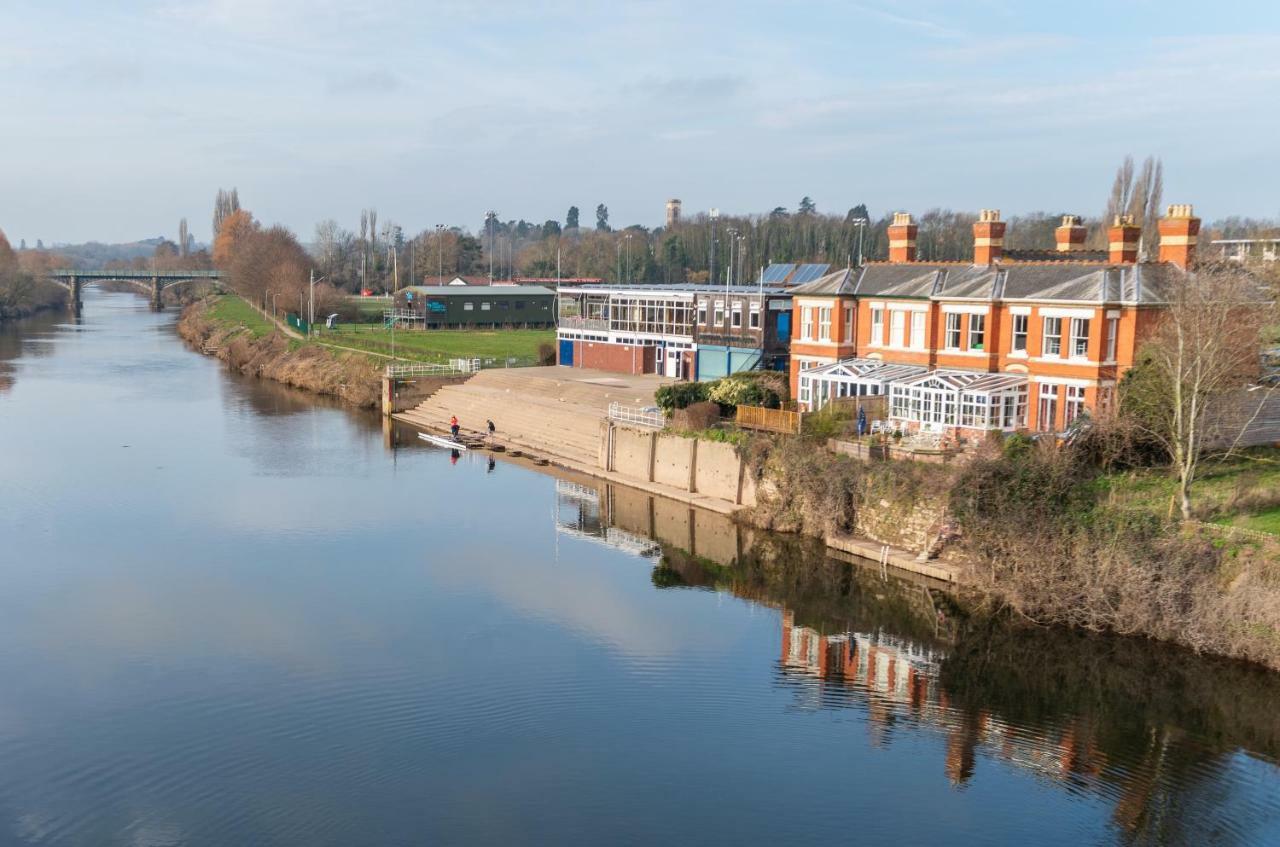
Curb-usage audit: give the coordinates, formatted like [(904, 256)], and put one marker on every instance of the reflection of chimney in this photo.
[(902, 238), (673, 212), (1122, 238), (988, 237), (1179, 232), (1070, 236), (788, 621)]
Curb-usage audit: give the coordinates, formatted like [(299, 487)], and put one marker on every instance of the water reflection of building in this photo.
[(896, 678), (633, 520), (580, 513)]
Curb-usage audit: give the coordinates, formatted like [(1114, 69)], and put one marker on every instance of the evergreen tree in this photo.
[(571, 219), (807, 206), (602, 218)]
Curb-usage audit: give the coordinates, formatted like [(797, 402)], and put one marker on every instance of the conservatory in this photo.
[(850, 378), (942, 400)]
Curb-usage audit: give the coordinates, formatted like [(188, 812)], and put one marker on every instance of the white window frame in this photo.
[(1079, 329), (897, 327), (1113, 334), (1048, 394), (917, 331), (1020, 335), (952, 339), (824, 323), (1073, 405), (1056, 336), (735, 319), (806, 323), (753, 318), (978, 327), (719, 313), (468, 307), (702, 313), (485, 306), (848, 325), (877, 327)]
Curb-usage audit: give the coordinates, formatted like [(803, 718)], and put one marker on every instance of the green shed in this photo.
[(460, 306)]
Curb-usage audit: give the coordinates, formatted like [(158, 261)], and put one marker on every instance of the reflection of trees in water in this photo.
[(14, 343), (1148, 726)]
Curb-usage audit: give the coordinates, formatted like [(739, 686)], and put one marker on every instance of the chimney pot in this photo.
[(1070, 235), (1179, 232), (902, 238), (1122, 239), (988, 237)]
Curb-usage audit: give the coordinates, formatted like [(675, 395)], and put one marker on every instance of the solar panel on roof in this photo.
[(777, 272), (808, 273)]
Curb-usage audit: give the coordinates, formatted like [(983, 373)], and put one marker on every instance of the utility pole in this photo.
[(311, 303), (489, 216)]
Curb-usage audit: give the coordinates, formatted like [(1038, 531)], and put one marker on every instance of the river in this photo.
[(231, 613)]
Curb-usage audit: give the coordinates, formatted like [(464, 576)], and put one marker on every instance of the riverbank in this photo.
[(1039, 531), (250, 343)]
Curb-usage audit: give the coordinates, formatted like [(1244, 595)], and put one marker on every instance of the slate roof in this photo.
[(843, 281), (1060, 281)]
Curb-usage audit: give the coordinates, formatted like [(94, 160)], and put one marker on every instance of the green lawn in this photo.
[(441, 344), (1242, 491), (231, 310)]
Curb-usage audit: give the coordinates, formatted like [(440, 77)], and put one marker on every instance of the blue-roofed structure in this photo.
[(777, 274), (807, 273)]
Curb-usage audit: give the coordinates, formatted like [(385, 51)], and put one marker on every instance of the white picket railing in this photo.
[(641, 417), (411, 369)]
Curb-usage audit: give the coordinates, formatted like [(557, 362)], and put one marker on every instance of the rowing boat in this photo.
[(441, 441)]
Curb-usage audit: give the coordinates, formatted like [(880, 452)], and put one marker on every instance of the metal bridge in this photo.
[(150, 282)]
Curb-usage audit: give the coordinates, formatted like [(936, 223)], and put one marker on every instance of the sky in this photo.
[(121, 117)]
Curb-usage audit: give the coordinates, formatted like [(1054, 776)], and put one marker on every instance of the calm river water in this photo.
[(231, 614)]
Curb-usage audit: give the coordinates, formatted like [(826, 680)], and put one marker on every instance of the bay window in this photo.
[(1047, 414)]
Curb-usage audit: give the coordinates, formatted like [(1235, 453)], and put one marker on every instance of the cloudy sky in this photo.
[(120, 117)]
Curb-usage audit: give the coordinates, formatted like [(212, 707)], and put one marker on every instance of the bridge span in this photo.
[(154, 283)]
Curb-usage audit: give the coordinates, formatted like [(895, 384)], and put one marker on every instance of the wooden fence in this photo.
[(772, 420)]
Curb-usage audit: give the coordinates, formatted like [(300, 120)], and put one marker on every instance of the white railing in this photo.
[(650, 416), (579, 322), (454, 366)]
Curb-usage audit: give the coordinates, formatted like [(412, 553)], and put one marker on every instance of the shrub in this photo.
[(679, 395), (546, 353)]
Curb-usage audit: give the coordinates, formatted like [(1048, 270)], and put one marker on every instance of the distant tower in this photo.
[(673, 212)]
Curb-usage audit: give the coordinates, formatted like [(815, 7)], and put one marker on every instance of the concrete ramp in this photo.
[(549, 411)]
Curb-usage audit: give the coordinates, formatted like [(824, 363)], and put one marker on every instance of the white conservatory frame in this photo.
[(850, 378), (941, 400)]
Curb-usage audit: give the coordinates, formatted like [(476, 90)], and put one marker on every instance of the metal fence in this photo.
[(411, 369), (650, 416)]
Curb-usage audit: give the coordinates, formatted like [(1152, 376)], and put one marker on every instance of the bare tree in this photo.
[(1138, 193), (1199, 362), (226, 204)]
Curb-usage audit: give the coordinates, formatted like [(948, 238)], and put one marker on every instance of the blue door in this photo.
[(784, 326), (566, 352)]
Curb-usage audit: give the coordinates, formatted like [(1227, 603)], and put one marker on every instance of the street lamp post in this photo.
[(488, 218), (861, 224), (728, 305)]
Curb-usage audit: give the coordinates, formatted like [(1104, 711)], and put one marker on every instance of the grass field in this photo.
[(1243, 491), (231, 310), (441, 344)]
